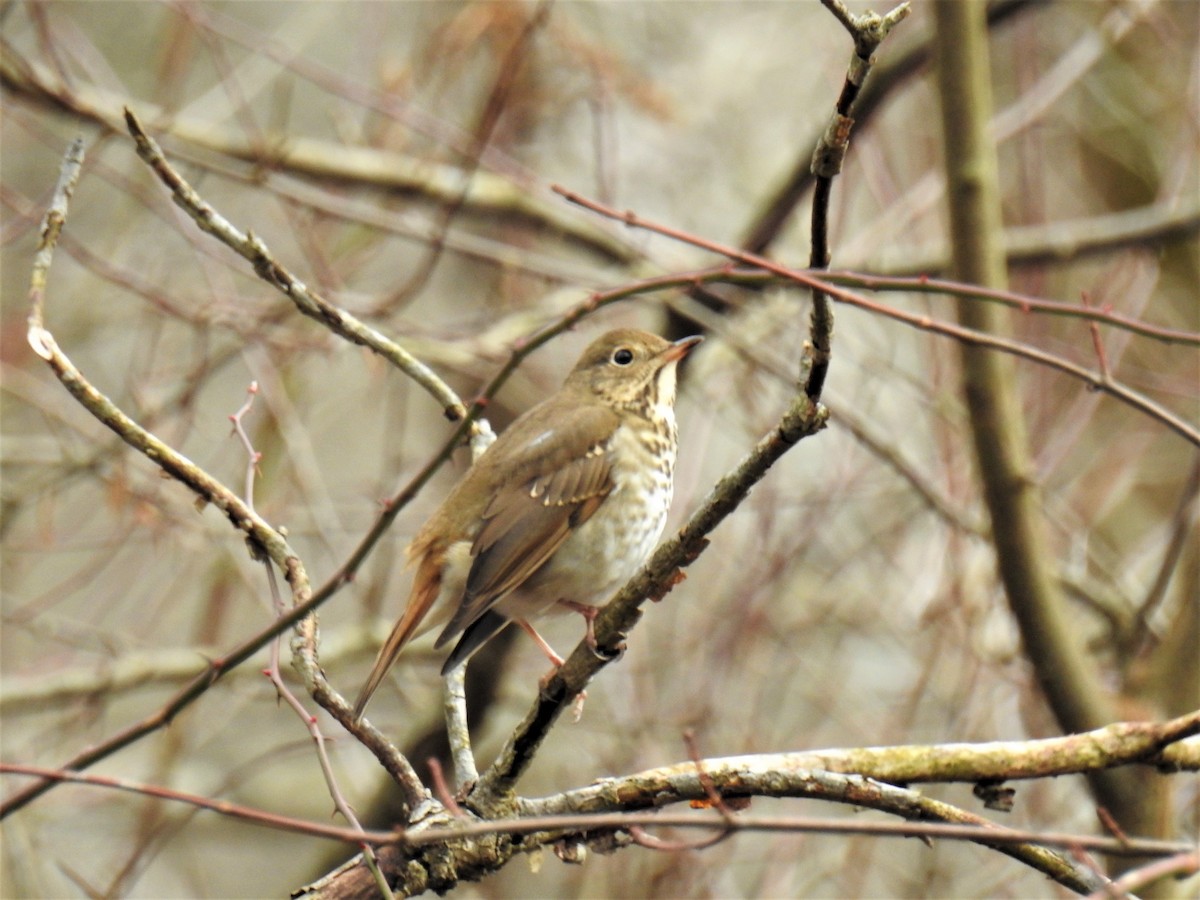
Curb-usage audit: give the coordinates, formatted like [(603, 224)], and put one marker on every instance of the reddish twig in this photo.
[(441, 790), (253, 457), (715, 800), (595, 822), (958, 332), (1181, 865), (1097, 343), (272, 672)]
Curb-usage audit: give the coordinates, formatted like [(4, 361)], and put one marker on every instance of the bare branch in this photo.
[(968, 336), (274, 273), (868, 31), (264, 540)]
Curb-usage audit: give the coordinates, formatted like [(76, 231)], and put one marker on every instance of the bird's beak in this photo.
[(681, 348)]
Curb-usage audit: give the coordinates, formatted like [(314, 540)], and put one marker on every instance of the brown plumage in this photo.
[(560, 511)]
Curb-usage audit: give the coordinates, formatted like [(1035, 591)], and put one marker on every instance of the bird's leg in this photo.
[(554, 658), (557, 661), (589, 614)]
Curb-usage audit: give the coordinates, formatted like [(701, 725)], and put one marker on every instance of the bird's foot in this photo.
[(577, 707), (589, 614)]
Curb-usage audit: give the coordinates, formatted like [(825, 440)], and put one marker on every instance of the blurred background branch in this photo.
[(854, 601)]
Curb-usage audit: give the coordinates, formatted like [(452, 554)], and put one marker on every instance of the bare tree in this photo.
[(952, 538)]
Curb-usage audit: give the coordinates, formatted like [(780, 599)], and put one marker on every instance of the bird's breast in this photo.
[(606, 550)]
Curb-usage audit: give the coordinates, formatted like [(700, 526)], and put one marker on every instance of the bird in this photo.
[(558, 513)]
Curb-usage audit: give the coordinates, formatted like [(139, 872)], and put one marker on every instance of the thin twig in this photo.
[(441, 790), (52, 225), (1180, 865), (1022, 302), (644, 839), (958, 332), (493, 107), (1183, 525), (1097, 341), (597, 821), (253, 457), (264, 540), (1028, 848), (869, 31), (272, 672), (307, 301)]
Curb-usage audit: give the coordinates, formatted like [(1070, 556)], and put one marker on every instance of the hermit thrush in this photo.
[(558, 513)]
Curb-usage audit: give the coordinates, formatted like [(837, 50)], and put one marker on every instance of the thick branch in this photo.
[(1120, 744), (489, 194)]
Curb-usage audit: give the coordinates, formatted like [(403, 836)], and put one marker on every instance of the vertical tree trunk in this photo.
[(1027, 567)]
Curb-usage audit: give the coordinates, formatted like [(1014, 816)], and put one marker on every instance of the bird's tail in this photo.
[(424, 592)]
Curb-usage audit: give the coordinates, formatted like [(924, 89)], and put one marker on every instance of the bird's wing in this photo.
[(528, 517)]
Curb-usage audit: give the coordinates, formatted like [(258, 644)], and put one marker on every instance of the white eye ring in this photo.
[(622, 356)]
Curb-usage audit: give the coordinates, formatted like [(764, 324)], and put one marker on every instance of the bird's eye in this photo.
[(622, 356)]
